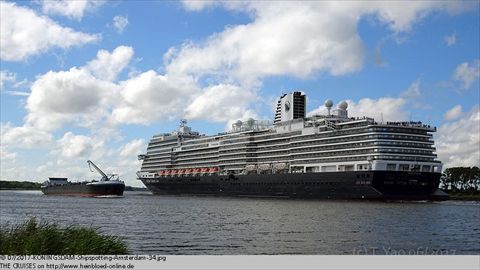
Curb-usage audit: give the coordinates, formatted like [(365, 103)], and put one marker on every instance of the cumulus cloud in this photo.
[(24, 136), (295, 39), (83, 94), (6, 156), (386, 108), (73, 146), (222, 103), (108, 65), (24, 33), (453, 113), (450, 40), (120, 22), (390, 109), (458, 142), (58, 97), (132, 148), (284, 38), (68, 8), (149, 97), (467, 73)]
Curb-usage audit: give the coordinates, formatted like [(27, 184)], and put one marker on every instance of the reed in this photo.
[(35, 238)]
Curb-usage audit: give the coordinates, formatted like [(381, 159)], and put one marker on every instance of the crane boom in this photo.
[(104, 176)]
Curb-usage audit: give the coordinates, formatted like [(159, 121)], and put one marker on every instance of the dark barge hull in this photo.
[(85, 189), (379, 185)]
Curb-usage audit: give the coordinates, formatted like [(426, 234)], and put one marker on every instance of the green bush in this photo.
[(33, 238)]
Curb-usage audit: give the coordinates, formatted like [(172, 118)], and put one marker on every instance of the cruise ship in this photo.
[(331, 156)]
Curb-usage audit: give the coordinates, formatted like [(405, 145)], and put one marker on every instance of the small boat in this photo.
[(108, 185)]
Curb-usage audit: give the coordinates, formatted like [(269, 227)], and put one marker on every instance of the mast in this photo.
[(104, 176)]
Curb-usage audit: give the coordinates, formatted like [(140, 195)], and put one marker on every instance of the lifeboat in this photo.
[(166, 173), (213, 170), (204, 170), (180, 172), (160, 173), (188, 171), (196, 170)]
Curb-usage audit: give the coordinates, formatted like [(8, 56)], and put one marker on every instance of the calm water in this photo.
[(213, 225)]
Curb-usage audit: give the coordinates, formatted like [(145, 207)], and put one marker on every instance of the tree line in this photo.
[(461, 179), (19, 185)]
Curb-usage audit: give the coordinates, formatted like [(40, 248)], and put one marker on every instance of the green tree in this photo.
[(461, 179)]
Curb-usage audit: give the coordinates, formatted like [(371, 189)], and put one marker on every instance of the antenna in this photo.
[(183, 122), (382, 116)]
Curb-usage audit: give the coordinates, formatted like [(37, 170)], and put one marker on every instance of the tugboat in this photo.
[(108, 185)]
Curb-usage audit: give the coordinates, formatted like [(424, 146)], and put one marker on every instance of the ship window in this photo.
[(391, 167)]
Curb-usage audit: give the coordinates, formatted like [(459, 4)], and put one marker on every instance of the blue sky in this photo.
[(95, 80)]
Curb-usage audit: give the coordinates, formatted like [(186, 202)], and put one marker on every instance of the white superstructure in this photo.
[(295, 144)]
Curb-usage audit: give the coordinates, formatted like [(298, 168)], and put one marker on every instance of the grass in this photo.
[(35, 238)]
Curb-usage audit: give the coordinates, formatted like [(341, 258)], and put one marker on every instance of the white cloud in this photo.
[(467, 73), (294, 39), (74, 146), (132, 148), (413, 91), (198, 5), (152, 97), (108, 65), (62, 96), (90, 95), (18, 93), (24, 33), (390, 109), (74, 9), (284, 38), (401, 16), (6, 76), (222, 103), (450, 40), (299, 39), (6, 156), (24, 136), (458, 142), (86, 94), (453, 113), (120, 22)]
